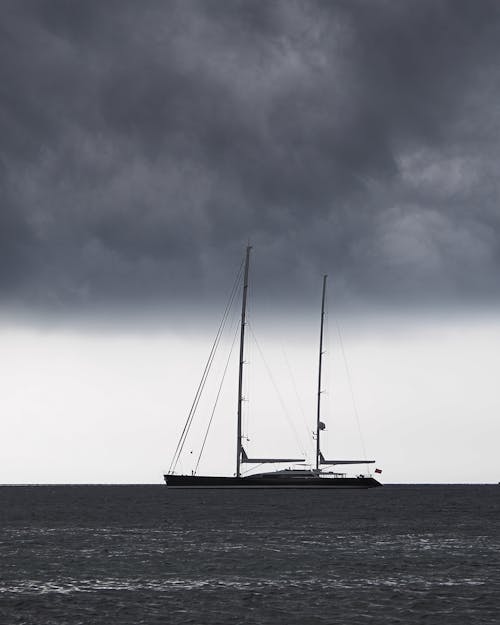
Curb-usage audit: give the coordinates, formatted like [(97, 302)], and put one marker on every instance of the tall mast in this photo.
[(242, 355), (319, 425)]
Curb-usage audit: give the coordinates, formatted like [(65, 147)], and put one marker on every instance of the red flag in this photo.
[(378, 470)]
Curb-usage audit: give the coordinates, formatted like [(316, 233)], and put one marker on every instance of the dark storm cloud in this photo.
[(142, 145)]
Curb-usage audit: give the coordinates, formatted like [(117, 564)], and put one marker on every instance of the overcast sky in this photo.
[(143, 144)]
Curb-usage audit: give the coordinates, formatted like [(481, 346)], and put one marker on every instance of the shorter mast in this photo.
[(242, 356), (319, 425)]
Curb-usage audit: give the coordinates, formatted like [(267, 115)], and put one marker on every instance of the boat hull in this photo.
[(320, 483)]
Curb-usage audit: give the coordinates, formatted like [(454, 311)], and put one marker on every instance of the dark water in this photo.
[(142, 554)]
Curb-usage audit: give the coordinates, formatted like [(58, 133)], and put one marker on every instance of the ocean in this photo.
[(144, 554)]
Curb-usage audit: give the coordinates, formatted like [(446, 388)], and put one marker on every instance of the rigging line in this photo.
[(283, 407), (297, 396), (194, 405), (206, 371), (351, 388), (249, 381), (216, 400), (197, 397), (252, 468), (327, 413)]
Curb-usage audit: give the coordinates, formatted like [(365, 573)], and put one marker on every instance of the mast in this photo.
[(242, 355), (319, 425)]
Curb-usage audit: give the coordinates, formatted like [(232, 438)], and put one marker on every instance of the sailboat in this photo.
[(309, 477)]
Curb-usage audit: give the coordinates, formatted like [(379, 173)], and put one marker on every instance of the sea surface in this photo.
[(144, 554)]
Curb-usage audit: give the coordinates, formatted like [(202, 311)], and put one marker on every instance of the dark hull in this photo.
[(195, 481)]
